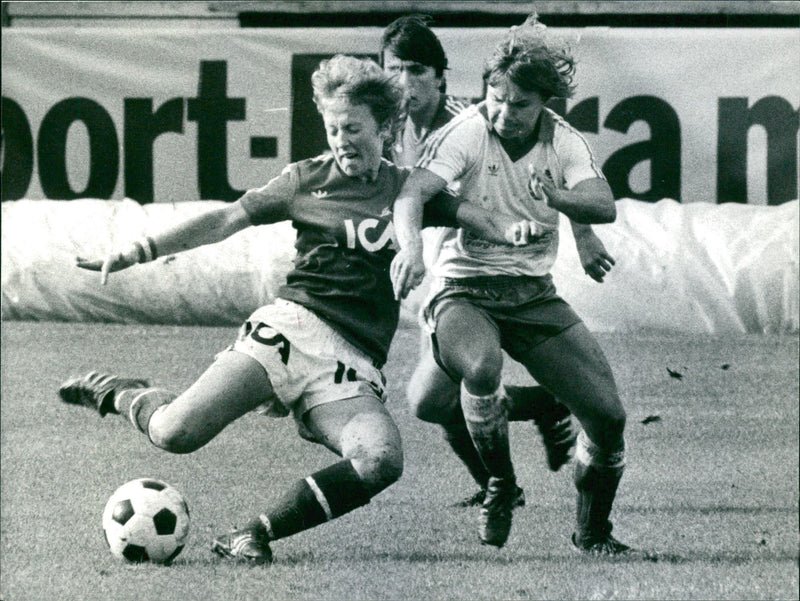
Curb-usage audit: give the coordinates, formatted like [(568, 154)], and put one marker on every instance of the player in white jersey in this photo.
[(316, 351), (509, 153), (411, 51)]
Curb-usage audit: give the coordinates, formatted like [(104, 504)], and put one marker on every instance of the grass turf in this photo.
[(711, 485)]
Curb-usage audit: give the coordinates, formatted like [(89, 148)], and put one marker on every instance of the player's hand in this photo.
[(521, 232), (541, 185), (595, 259), (407, 270), (115, 261)]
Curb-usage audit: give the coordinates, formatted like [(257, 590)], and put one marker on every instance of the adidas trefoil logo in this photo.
[(493, 169), (319, 193), (387, 212)]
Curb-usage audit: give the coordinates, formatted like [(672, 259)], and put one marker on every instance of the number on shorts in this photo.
[(340, 373), (277, 339)]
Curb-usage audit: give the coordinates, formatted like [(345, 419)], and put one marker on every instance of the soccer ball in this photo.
[(146, 520)]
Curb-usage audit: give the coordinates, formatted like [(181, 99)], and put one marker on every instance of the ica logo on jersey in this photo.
[(367, 234)]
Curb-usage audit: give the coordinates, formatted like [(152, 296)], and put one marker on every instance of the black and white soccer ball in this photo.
[(146, 520)]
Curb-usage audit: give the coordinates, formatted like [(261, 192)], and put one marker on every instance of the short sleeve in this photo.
[(271, 203), (452, 150), (577, 159)]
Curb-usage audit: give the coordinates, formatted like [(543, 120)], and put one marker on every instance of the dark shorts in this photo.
[(525, 310)]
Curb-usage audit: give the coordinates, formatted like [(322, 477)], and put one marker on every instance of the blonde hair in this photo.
[(361, 81)]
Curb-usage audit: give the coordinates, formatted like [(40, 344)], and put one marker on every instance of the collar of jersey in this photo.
[(543, 132)]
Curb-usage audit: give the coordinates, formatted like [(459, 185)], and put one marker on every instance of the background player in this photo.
[(487, 298), (412, 52), (317, 350)]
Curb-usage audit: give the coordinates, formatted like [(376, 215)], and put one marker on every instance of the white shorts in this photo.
[(307, 361)]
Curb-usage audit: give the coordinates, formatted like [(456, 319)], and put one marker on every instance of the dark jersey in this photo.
[(345, 244)]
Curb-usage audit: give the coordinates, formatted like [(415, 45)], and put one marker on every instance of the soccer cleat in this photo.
[(495, 516), (558, 435), (476, 500), (243, 545), (96, 390), (610, 547)]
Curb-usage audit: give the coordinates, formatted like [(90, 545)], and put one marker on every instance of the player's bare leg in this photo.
[(586, 385), (469, 349), (363, 434), (232, 386), (434, 397)]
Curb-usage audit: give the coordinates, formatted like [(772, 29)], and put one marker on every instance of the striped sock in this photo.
[(321, 497), (139, 405)]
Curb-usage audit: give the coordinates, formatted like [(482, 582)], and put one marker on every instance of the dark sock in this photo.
[(533, 403), (322, 496), (459, 439), (597, 476), (597, 488), (487, 423)]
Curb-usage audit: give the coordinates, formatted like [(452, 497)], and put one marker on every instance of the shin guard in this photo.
[(487, 421)]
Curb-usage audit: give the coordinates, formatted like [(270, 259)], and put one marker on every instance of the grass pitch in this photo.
[(711, 484)]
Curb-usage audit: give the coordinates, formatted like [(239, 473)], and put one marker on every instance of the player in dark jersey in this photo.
[(316, 352), (412, 52)]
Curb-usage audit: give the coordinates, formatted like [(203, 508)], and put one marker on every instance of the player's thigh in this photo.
[(574, 368), (233, 385), (362, 430), (433, 395), (469, 346)]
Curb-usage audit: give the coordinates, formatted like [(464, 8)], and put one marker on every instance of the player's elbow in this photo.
[(609, 213)]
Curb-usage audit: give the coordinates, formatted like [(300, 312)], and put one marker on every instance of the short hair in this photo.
[(531, 59), (410, 39), (361, 81)]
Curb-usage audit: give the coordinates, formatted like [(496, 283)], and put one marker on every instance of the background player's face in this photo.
[(512, 111), (353, 136), (419, 82)]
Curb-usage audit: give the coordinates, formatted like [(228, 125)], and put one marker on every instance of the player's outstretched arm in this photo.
[(408, 267), (595, 259), (207, 228)]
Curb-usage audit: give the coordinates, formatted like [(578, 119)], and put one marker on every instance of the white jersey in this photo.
[(468, 155)]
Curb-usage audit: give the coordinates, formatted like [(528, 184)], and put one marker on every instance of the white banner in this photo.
[(696, 268), (690, 114)]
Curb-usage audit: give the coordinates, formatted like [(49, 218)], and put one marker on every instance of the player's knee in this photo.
[(482, 373), (173, 437), (375, 449), (379, 466)]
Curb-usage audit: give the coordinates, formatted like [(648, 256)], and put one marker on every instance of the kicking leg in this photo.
[(232, 386)]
